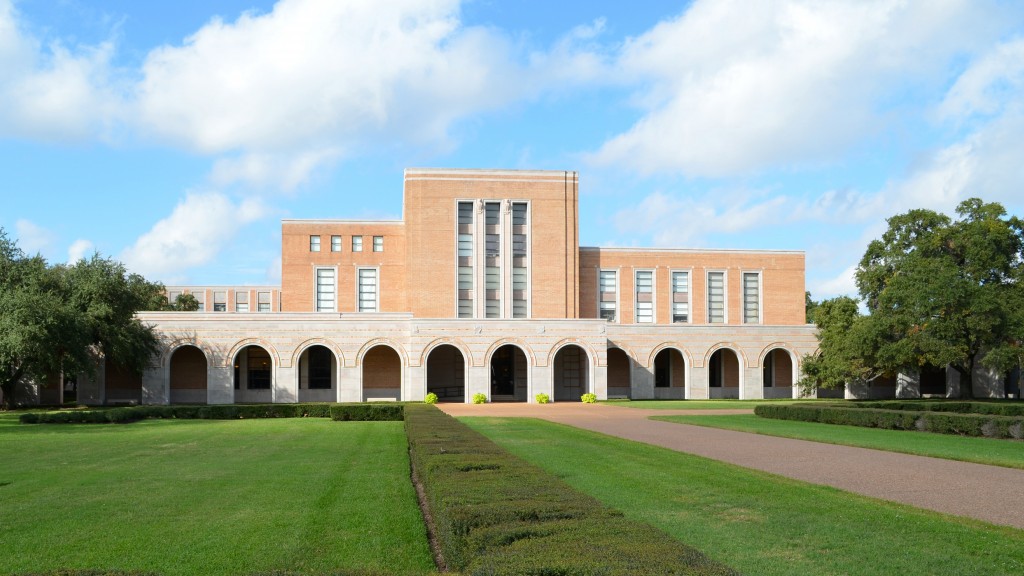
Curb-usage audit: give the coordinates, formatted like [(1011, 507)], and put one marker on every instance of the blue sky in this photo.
[(175, 136)]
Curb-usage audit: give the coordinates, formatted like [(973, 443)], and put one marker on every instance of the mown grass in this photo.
[(703, 404), (1008, 453), (209, 497), (757, 522)]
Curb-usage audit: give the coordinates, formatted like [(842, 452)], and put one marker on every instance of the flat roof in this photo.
[(687, 250), (338, 221)]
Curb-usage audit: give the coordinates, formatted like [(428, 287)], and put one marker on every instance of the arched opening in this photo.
[(669, 375), (933, 381), (446, 373), (724, 374), (620, 379), (777, 374), (571, 373), (382, 374), (121, 386), (318, 375), (188, 376), (510, 373), (254, 375)]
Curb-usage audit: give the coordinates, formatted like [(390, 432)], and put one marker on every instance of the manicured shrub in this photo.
[(430, 398), (589, 398), (217, 412), (479, 398), (367, 412), (992, 426), (496, 514), (542, 398)]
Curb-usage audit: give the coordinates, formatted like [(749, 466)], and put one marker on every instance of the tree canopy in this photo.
[(938, 292), (56, 319)]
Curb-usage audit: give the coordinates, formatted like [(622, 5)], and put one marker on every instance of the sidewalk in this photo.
[(989, 493)]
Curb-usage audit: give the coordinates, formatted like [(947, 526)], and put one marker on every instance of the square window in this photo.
[(335, 243), (314, 243), (357, 243), (378, 243)]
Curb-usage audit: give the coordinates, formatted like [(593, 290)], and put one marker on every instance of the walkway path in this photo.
[(989, 493)]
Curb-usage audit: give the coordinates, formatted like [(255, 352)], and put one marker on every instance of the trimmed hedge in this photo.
[(495, 514), (994, 408), (988, 425), (391, 411)]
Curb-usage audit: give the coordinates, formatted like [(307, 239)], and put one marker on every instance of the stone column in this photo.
[(348, 384), (478, 381), (220, 384), (155, 388), (641, 380), (698, 383), (599, 381), (286, 385), (540, 383)]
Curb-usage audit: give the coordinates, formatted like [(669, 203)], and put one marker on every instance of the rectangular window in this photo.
[(465, 261), (680, 297), (335, 243), (465, 213), (378, 243), (519, 245), (201, 299), (357, 243), (492, 213), (314, 243), (367, 290), (465, 308), (519, 308), (493, 245), (263, 302), (492, 286), (644, 296), (751, 297), (519, 214), (519, 279), (220, 301), (465, 277), (325, 290), (241, 301), (465, 245), (716, 297), (493, 309), (607, 290)]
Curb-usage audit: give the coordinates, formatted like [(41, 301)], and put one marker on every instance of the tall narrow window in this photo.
[(220, 301), (378, 243), (493, 288), (492, 215), (465, 262), (367, 290), (335, 243), (751, 297), (200, 296), (492, 252), (520, 249), (645, 296), (680, 297), (263, 302), (716, 297), (608, 288), (241, 301), (314, 243), (357, 243), (325, 290)]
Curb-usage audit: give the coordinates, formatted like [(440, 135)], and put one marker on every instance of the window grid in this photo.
[(751, 298), (680, 297), (378, 243), (241, 301), (220, 301), (263, 302), (716, 297), (644, 296), (367, 290), (607, 287), (335, 243), (357, 243), (464, 298), (325, 290), (314, 243)]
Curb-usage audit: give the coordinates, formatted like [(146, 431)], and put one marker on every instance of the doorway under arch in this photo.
[(446, 373), (724, 374), (669, 375), (620, 380), (254, 375), (510, 374), (382, 374), (777, 377), (318, 375), (188, 376), (570, 373)]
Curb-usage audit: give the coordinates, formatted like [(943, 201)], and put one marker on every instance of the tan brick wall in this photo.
[(298, 264), (382, 368), (188, 369), (618, 368), (782, 281), (118, 378)]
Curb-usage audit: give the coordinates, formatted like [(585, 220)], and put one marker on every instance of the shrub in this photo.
[(542, 398), (430, 398), (992, 426), (589, 398), (215, 412), (498, 515), (479, 398), (376, 412)]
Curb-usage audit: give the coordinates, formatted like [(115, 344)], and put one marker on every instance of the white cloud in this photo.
[(844, 284), (281, 171), (54, 92), (734, 87), (32, 238), (193, 235), (989, 85), (80, 249)]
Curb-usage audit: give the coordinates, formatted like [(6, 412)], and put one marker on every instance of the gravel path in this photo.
[(989, 493)]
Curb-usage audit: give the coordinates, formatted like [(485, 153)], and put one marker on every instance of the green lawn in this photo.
[(209, 497), (1007, 453), (757, 522), (702, 404)]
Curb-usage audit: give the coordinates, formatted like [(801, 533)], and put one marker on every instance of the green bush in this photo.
[(212, 412), (542, 398), (992, 426), (589, 398), (376, 412), (479, 398), (430, 398), (496, 514), (995, 408)]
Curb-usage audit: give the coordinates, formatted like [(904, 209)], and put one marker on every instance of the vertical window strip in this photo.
[(241, 301), (325, 290), (716, 297), (680, 297), (607, 286), (367, 290), (464, 296), (644, 284), (751, 297)]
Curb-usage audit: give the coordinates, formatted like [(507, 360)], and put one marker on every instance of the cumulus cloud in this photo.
[(52, 92), (32, 238), (193, 235), (732, 87), (79, 250)]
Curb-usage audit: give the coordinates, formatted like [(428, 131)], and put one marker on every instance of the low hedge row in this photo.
[(495, 514), (361, 411), (993, 408), (991, 426)]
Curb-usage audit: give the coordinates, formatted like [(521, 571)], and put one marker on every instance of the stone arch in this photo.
[(778, 372), (252, 380), (310, 380), (509, 373), (173, 346), (571, 375), (725, 380), (382, 366), (732, 346), (262, 343), (456, 342), (187, 378), (620, 377), (518, 343), (445, 370), (670, 365), (329, 344), (369, 345), (664, 345), (557, 346)]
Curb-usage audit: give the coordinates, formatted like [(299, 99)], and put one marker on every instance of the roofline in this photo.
[(339, 221), (689, 250), (489, 171)]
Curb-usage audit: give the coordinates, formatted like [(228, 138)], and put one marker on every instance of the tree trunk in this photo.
[(967, 381)]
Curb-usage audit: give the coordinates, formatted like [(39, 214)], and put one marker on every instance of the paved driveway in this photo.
[(990, 493)]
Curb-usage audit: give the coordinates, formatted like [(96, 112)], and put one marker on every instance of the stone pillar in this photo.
[(540, 382), (414, 384), (478, 381), (599, 381), (641, 380), (220, 384), (286, 385), (348, 384), (857, 391), (698, 383), (155, 388), (908, 386), (752, 387), (953, 384)]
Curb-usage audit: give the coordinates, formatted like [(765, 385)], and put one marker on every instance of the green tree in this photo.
[(56, 319), (810, 307), (938, 291)]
